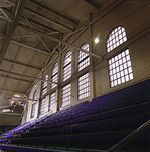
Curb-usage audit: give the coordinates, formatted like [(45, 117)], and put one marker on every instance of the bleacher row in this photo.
[(4, 129), (88, 126)]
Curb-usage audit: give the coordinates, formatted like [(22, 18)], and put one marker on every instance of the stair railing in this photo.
[(126, 140)]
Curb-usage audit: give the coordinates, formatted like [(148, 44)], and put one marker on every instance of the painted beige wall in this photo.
[(136, 20)]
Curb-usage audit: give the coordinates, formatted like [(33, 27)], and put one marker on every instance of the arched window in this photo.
[(83, 58), (116, 38), (54, 76), (44, 85), (120, 68), (67, 66)]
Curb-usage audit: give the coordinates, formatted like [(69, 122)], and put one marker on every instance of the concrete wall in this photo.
[(134, 17)]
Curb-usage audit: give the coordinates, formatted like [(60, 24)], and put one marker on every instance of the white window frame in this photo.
[(67, 69), (66, 95), (120, 68), (33, 106), (116, 38), (54, 75), (53, 102), (44, 85), (84, 86), (83, 58)]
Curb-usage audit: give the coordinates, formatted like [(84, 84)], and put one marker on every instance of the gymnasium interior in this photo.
[(74, 75)]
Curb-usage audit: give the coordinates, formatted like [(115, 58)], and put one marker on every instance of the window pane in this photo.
[(43, 106), (33, 110), (67, 66), (83, 58), (53, 102), (35, 95), (123, 71), (54, 76), (44, 85), (116, 38), (83, 86), (66, 95)]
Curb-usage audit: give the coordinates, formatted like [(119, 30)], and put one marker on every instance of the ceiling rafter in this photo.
[(4, 16), (11, 77), (93, 3), (33, 35), (22, 64), (43, 26), (6, 3), (53, 12), (48, 19), (5, 19), (10, 27), (57, 40), (27, 76), (38, 36), (27, 46)]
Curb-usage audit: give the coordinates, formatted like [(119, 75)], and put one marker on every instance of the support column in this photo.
[(92, 72), (59, 80), (39, 99), (25, 111)]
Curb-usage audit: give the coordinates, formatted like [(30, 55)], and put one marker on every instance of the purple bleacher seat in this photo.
[(98, 124)]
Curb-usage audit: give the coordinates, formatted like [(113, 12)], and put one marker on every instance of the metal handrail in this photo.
[(126, 140)]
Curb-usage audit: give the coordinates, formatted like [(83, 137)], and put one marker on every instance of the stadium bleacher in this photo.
[(88, 126)]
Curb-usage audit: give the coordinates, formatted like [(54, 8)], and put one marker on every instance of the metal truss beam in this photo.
[(47, 19), (93, 3), (5, 19), (10, 27), (27, 76), (58, 41), (46, 9), (22, 64), (27, 46), (5, 16), (11, 77), (6, 3)]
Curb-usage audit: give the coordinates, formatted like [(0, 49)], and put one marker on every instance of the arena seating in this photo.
[(88, 126), (4, 129)]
